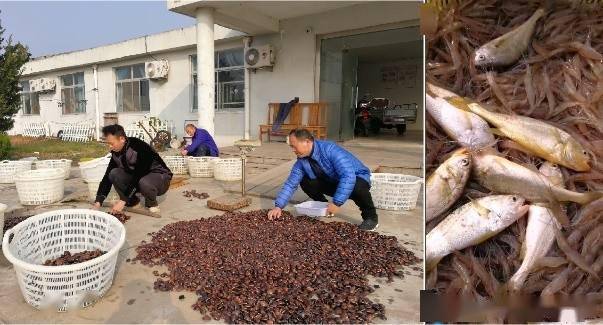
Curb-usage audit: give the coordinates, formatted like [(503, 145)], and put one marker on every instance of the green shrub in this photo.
[(4, 146)]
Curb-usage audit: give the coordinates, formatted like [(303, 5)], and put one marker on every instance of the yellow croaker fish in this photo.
[(472, 224), (468, 129), (447, 183), (503, 176), (537, 137), (508, 48), (540, 232)]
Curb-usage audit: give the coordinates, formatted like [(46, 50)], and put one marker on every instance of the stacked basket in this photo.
[(10, 168), (93, 172), (177, 164), (47, 236), (40, 186), (228, 169), (395, 191), (63, 164), (201, 166)]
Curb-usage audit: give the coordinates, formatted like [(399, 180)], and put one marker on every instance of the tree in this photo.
[(12, 59)]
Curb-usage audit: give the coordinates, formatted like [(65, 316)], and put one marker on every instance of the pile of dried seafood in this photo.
[(548, 66)]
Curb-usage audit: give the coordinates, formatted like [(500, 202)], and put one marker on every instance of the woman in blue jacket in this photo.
[(324, 168), (202, 143)]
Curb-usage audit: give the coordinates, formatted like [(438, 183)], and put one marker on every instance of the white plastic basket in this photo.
[(64, 164), (228, 169), (93, 188), (10, 168), (395, 191), (40, 186), (312, 208), (94, 169), (201, 166), (49, 235), (177, 164)]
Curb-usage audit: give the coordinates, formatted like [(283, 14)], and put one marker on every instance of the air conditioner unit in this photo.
[(156, 69), (42, 85), (257, 57)]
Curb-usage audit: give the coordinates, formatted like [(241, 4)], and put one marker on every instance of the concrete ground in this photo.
[(132, 299)]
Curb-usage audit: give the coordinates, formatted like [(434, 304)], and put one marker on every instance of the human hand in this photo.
[(96, 205), (118, 206), (275, 213), (184, 152), (332, 209)]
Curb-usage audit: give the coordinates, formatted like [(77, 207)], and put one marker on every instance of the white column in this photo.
[(247, 43), (205, 68), (96, 108)]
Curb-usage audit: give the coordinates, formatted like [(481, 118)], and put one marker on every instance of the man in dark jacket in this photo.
[(202, 143), (134, 168), (324, 168)]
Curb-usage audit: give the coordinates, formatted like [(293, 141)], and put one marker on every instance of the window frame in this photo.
[(73, 86), (218, 104), (132, 80), (31, 95)]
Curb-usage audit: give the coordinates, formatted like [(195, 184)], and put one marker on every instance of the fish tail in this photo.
[(580, 198)]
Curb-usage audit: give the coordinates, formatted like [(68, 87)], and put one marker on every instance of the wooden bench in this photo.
[(315, 123)]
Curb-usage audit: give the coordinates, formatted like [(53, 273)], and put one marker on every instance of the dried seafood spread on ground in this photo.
[(515, 149), (247, 269)]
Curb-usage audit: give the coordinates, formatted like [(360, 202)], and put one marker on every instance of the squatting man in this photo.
[(134, 168), (324, 168)]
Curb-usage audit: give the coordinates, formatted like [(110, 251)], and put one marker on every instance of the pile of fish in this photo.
[(514, 97)]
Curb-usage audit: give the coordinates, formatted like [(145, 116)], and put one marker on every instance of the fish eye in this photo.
[(554, 165), (481, 57), (584, 152), (514, 199), (465, 162)]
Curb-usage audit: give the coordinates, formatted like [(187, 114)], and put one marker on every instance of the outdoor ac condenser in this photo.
[(42, 85), (156, 69), (257, 57)]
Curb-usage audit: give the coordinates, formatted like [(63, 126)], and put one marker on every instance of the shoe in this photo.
[(134, 201), (368, 224), (154, 210)]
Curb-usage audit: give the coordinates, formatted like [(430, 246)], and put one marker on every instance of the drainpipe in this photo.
[(205, 68), (97, 109), (247, 43)]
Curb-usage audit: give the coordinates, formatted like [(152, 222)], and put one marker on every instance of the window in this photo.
[(132, 89), (30, 102), (73, 93), (230, 80)]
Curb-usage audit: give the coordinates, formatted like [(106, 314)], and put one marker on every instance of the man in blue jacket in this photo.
[(324, 168), (202, 143)]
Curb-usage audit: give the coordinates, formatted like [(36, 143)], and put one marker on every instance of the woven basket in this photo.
[(40, 186), (201, 166), (10, 168), (177, 164), (93, 185), (64, 164), (47, 236), (395, 192), (228, 169), (94, 169)]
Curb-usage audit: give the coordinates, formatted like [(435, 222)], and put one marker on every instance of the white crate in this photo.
[(93, 185), (40, 186), (395, 191), (201, 166), (312, 208), (63, 164), (177, 164), (228, 169), (10, 168), (48, 235), (94, 169)]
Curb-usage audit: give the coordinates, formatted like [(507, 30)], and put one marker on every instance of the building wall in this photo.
[(369, 81)]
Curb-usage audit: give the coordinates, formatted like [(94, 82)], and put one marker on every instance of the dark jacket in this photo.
[(138, 159), (200, 137), (338, 165)]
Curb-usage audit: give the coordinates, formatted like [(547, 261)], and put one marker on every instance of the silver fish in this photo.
[(447, 183)]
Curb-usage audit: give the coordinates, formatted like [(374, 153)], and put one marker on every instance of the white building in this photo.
[(331, 52)]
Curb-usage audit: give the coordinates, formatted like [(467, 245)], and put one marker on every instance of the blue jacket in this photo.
[(336, 162), (202, 137)]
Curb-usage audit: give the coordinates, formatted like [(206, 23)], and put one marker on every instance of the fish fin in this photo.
[(497, 132), (481, 210)]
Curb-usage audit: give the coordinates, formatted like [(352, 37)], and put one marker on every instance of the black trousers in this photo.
[(150, 185), (202, 151), (316, 189)]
